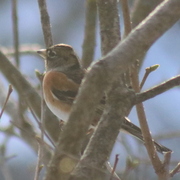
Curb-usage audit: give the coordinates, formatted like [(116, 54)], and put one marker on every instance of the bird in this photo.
[(61, 82)]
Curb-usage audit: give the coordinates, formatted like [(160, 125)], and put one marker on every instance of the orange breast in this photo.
[(59, 81)]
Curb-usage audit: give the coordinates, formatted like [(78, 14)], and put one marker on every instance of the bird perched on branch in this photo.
[(61, 83)]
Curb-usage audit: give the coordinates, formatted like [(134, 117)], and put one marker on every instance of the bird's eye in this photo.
[(51, 53)]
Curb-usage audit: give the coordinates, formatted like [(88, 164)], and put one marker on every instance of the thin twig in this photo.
[(40, 145), (126, 17), (10, 89), (115, 165), (39, 123), (148, 162), (45, 22), (11, 108), (127, 30), (110, 168), (148, 71), (24, 49), (175, 170), (36, 177), (15, 31), (159, 89), (145, 129), (161, 169), (42, 114), (167, 135), (40, 77), (33, 136), (89, 34)]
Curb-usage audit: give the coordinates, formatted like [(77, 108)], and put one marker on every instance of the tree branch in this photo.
[(142, 9), (45, 22), (15, 31), (157, 90), (93, 162), (106, 70), (90, 33), (29, 94), (94, 159), (126, 17), (149, 144), (109, 24)]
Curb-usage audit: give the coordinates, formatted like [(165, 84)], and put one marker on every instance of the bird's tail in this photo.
[(134, 130)]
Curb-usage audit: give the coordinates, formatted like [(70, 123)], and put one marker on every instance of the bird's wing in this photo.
[(61, 87), (66, 96)]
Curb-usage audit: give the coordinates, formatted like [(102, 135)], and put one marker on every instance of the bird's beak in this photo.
[(42, 53)]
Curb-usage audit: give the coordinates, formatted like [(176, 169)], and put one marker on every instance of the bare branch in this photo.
[(110, 169), (126, 17), (109, 25), (115, 165), (39, 124), (142, 9), (40, 145), (127, 30), (30, 137), (175, 170), (45, 22), (23, 49), (15, 31), (166, 162), (11, 108), (29, 94), (90, 33), (145, 128), (10, 89), (36, 176), (148, 71), (167, 135), (93, 160), (108, 69), (140, 97)]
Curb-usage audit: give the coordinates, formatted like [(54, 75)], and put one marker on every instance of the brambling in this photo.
[(61, 82)]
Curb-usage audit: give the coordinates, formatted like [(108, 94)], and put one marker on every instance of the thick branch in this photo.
[(142, 9), (92, 164), (109, 24), (108, 69), (94, 159)]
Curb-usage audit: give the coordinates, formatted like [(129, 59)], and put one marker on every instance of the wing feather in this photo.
[(66, 96)]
